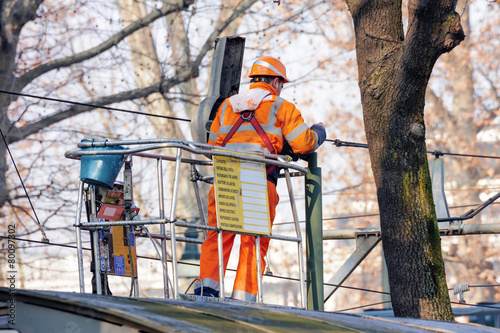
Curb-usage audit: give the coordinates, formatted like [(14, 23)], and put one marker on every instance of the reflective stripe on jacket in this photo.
[(278, 118)]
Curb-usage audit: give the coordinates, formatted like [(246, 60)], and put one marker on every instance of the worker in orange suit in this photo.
[(278, 123)]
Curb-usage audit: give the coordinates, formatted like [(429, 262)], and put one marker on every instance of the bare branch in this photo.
[(17, 134), (112, 41), (213, 36), (15, 14)]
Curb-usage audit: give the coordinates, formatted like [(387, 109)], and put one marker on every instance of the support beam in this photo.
[(364, 245), (314, 235), (368, 238), (437, 177), (454, 229)]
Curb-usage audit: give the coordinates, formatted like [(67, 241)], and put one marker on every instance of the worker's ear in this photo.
[(275, 82)]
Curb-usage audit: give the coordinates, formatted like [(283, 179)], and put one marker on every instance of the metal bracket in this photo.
[(365, 242), (459, 290)]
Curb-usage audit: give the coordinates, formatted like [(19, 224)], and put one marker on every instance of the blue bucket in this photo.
[(101, 170)]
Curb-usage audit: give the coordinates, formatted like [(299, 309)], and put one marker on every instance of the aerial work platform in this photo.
[(247, 171)]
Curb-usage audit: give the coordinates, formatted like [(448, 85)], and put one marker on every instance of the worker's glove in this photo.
[(287, 150), (319, 129)]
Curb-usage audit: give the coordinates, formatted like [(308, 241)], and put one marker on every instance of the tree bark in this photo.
[(393, 74)]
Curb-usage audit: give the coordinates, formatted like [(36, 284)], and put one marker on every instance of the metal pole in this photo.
[(97, 261), (259, 269), (386, 297), (136, 284), (78, 232), (173, 242), (95, 238), (452, 230), (162, 227), (199, 200), (300, 250), (314, 235), (221, 264)]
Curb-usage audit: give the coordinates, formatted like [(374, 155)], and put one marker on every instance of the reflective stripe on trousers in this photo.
[(245, 283)]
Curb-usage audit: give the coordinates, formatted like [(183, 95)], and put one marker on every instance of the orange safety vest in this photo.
[(249, 116), (276, 117)]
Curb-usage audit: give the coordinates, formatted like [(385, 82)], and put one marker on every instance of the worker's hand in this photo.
[(319, 128)]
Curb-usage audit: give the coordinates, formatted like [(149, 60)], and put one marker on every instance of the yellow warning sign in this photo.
[(241, 195)]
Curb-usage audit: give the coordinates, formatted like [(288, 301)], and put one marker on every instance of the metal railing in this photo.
[(138, 148)]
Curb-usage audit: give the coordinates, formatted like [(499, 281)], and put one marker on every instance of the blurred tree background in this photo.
[(154, 57)]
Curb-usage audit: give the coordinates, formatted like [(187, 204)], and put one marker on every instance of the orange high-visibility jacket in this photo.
[(278, 118)]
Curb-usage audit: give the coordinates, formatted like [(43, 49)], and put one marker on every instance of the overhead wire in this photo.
[(363, 306), (481, 286), (41, 242), (346, 217), (192, 264), (336, 142), (385, 302), (437, 153), (478, 305), (279, 277), (452, 302), (94, 105), (44, 236)]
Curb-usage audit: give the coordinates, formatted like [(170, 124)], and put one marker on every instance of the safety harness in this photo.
[(249, 116)]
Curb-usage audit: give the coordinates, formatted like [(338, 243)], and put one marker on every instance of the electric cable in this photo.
[(345, 217), (479, 305), (363, 306), (436, 153), (484, 285), (336, 142), (194, 264), (280, 277), (275, 276), (191, 284), (357, 288), (94, 106), (41, 242), (44, 236)]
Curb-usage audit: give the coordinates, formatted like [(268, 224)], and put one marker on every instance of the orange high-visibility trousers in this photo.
[(245, 284)]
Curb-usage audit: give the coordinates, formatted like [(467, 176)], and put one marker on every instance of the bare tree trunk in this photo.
[(13, 17), (393, 74), (148, 70)]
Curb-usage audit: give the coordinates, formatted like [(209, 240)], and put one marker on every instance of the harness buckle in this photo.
[(247, 115)]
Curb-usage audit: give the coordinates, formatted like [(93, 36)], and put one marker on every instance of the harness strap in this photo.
[(232, 131), (263, 135), (249, 116)]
